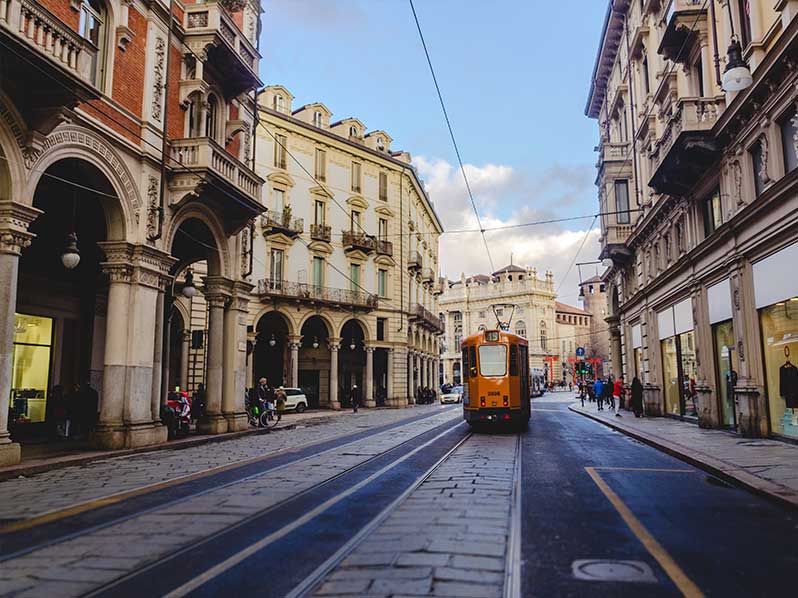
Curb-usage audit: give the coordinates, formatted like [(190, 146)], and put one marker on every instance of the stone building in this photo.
[(572, 332), (697, 165), (466, 307), (126, 158), (344, 260), (593, 297)]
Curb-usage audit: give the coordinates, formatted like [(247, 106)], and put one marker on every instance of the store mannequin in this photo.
[(788, 386)]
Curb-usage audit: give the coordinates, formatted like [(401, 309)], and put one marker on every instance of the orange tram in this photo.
[(496, 379)]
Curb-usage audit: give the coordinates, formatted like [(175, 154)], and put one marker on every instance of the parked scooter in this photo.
[(176, 414)]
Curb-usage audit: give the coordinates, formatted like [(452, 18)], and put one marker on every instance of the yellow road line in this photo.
[(679, 577), (644, 469)]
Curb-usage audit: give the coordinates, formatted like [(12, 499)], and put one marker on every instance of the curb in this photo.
[(28, 470), (769, 490)]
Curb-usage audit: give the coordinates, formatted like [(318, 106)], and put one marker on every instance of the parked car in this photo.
[(455, 395), (295, 399)]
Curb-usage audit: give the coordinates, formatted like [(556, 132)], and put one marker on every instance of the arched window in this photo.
[(317, 118), (520, 329), (211, 117), (543, 336), (279, 103), (353, 131), (380, 144), (92, 27)]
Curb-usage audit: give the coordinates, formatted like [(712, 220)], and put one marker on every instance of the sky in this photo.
[(515, 94)]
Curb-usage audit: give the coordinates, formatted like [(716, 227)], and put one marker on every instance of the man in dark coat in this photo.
[(355, 397), (637, 397)]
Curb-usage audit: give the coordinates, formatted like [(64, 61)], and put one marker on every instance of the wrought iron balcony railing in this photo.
[(384, 247), (281, 222), (304, 292), (354, 240), (320, 232), (426, 318)]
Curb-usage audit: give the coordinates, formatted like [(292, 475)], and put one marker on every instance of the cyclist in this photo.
[(266, 396)]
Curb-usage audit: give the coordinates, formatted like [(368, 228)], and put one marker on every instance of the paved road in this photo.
[(397, 504)]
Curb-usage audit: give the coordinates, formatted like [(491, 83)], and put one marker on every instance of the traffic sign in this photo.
[(580, 351)]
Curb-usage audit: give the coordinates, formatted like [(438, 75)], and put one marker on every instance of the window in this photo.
[(622, 201), (756, 160), (318, 271), (383, 186), (513, 360), (383, 229), (382, 282), (520, 329), (380, 144), (319, 213), (543, 344), (713, 216), (279, 103), (354, 277), (354, 221), (279, 200), (744, 14), (493, 360), (30, 368), (698, 74), (481, 315), (353, 132), (356, 177), (211, 117), (646, 78), (321, 165), (381, 329), (788, 137), (92, 28), (192, 117), (276, 260), (317, 119), (280, 142)]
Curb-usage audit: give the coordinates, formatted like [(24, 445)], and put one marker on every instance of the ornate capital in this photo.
[(14, 221), (118, 272)]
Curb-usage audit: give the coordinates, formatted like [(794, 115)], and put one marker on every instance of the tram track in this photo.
[(238, 559), (58, 526)]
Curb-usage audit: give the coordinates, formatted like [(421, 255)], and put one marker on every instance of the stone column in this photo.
[(295, 344), (389, 394), (411, 392), (615, 345), (368, 399), (708, 413), (235, 358), (334, 344), (14, 237), (157, 360), (214, 422), (184, 354)]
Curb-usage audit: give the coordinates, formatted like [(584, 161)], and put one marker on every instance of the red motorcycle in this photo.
[(176, 414)]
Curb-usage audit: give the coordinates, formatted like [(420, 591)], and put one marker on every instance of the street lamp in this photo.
[(352, 345), (315, 342), (272, 341), (70, 258), (736, 75), (189, 290)]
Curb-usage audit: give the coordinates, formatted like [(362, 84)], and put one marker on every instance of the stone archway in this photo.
[(271, 355), (353, 362), (314, 360)]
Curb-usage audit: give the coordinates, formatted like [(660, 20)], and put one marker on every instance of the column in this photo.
[(214, 422), (14, 238), (708, 412), (295, 344), (615, 345), (110, 431), (184, 353), (389, 394), (157, 394), (334, 345), (235, 357), (368, 399), (411, 392)]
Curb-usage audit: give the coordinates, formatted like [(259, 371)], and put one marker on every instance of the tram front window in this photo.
[(493, 360)]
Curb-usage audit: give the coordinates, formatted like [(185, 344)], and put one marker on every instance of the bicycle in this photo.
[(263, 418)]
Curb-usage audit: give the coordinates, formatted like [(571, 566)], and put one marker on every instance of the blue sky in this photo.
[(514, 91)]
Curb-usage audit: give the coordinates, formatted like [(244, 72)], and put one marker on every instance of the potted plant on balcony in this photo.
[(287, 216)]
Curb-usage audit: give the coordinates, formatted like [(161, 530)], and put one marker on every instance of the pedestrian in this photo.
[(354, 397), (581, 389), (91, 407), (280, 398), (598, 390), (637, 397), (198, 402), (606, 392), (617, 395)]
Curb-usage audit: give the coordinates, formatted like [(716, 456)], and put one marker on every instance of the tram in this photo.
[(496, 384)]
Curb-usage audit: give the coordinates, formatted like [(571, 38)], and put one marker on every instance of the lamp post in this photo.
[(736, 75)]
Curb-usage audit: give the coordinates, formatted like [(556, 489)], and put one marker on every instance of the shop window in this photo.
[(725, 369), (779, 324), (622, 202), (756, 161), (788, 136), (679, 371), (744, 24), (30, 369)]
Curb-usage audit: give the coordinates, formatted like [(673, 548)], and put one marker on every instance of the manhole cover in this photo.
[(610, 570)]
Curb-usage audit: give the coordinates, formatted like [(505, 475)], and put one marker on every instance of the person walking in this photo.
[(354, 397), (598, 390), (606, 392), (637, 397), (617, 395)]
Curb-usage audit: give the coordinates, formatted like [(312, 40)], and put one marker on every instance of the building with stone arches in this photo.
[(125, 163), (344, 260)]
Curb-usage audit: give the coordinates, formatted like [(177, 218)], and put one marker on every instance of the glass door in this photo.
[(725, 370)]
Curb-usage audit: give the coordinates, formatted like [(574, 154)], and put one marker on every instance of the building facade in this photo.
[(573, 327), (593, 297), (344, 260), (698, 187), (126, 159), (466, 307)]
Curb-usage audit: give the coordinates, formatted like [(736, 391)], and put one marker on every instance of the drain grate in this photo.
[(612, 570)]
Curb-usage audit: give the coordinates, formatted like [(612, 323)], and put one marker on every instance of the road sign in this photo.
[(580, 351)]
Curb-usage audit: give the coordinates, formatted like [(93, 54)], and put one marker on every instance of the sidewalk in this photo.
[(768, 467), (39, 458)]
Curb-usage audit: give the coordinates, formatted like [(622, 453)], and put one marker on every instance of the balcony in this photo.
[(284, 290), (320, 232), (685, 20), (210, 29), (687, 148), (281, 222), (414, 261), (613, 152), (427, 275), (358, 241), (53, 58), (202, 170), (616, 233), (384, 248), (426, 318)]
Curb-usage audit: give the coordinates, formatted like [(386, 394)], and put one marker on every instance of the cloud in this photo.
[(504, 197)]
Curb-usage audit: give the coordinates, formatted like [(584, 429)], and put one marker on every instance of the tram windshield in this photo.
[(493, 360)]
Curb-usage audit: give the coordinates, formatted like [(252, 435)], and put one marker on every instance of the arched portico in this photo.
[(314, 356)]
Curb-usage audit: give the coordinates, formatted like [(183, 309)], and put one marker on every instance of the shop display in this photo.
[(780, 338)]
